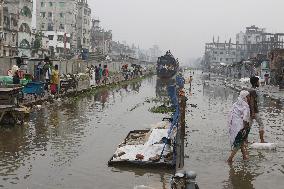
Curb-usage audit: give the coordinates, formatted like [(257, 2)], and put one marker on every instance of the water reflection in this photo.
[(162, 87), (59, 134), (161, 181), (239, 178)]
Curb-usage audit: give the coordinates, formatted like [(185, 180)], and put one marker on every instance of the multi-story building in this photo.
[(252, 43), (216, 53), (248, 41), (256, 41), (40, 45), (57, 20), (101, 40), (8, 27), (83, 26), (25, 8), (155, 52)]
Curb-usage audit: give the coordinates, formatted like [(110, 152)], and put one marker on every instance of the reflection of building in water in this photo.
[(104, 97), (216, 92), (162, 87), (136, 86), (14, 143)]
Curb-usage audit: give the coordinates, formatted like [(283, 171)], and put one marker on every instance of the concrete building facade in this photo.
[(225, 53), (8, 27), (55, 17), (25, 46), (101, 40), (83, 26), (256, 41)]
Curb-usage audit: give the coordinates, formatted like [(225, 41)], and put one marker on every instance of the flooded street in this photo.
[(208, 143), (69, 144)]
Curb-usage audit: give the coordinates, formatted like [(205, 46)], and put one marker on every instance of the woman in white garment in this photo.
[(92, 76), (239, 129)]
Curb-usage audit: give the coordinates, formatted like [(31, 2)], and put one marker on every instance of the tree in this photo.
[(38, 41)]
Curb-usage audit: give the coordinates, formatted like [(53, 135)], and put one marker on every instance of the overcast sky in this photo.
[(185, 25)]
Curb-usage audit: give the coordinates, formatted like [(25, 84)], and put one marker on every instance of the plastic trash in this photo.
[(264, 146)]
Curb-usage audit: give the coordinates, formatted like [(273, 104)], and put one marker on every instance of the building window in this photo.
[(50, 27), (221, 59), (50, 14), (13, 37), (60, 38), (61, 15), (50, 37), (42, 26), (221, 52), (61, 27), (50, 4), (61, 4), (42, 4), (42, 14)]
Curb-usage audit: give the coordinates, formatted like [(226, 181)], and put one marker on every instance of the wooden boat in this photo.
[(167, 66)]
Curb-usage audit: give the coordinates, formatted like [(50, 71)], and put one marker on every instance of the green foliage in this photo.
[(38, 41), (163, 109)]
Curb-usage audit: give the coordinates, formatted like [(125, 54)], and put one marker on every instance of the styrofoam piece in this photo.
[(264, 146), (143, 187)]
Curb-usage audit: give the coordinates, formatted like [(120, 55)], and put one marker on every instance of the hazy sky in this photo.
[(185, 25)]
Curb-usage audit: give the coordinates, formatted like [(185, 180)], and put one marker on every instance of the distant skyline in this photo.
[(184, 26)]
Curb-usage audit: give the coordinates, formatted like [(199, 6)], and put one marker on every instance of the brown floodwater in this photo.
[(67, 145), (208, 144)]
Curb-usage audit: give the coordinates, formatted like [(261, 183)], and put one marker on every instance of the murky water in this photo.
[(67, 145), (208, 142)]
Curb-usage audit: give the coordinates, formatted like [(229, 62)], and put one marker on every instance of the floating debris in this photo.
[(144, 147), (163, 109)]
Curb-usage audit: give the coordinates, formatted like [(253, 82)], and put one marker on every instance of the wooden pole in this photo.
[(181, 132)]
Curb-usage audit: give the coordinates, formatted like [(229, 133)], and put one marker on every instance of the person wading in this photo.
[(239, 128), (254, 109)]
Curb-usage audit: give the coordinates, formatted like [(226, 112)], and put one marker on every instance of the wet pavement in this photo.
[(68, 144), (208, 143)]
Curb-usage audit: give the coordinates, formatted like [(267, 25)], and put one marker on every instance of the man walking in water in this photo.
[(254, 109)]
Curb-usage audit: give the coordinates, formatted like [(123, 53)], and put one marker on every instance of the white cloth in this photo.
[(240, 112), (93, 79), (48, 73)]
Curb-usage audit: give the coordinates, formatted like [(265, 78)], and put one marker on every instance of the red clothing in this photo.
[(106, 72)]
